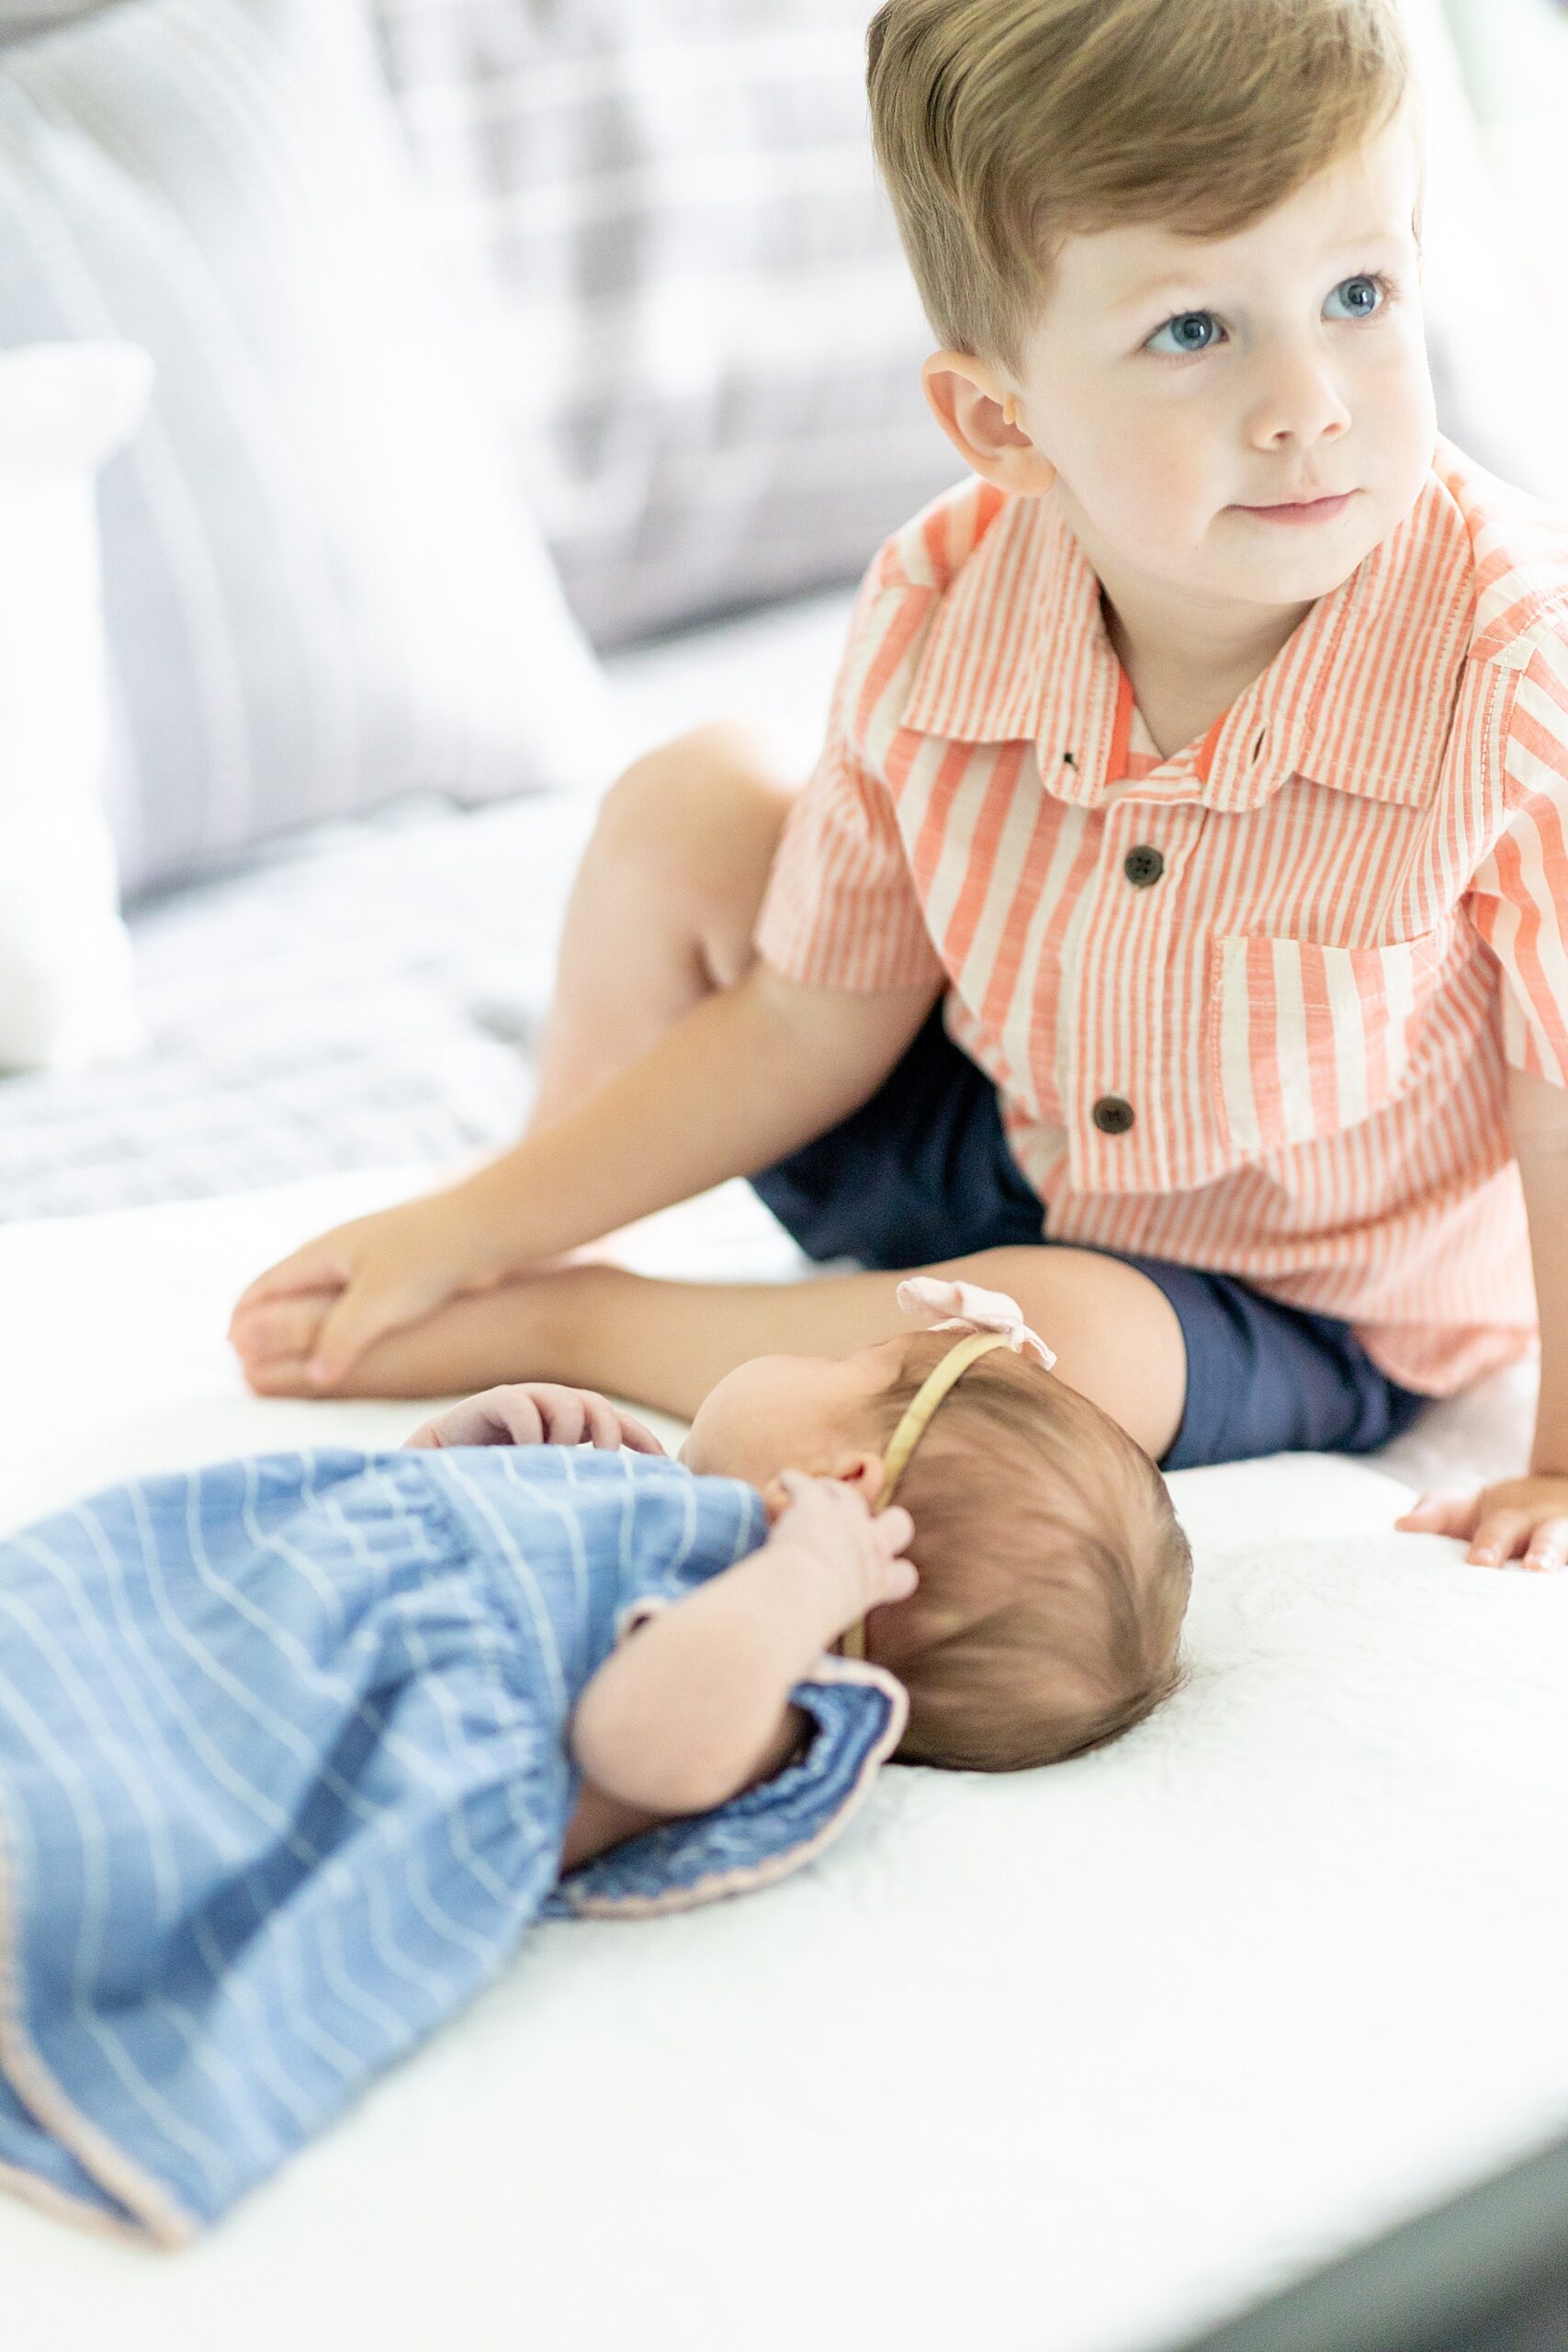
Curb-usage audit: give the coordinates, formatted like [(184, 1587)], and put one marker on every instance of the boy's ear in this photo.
[(978, 412)]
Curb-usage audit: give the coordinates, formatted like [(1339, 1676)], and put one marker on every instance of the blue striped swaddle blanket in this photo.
[(284, 1778)]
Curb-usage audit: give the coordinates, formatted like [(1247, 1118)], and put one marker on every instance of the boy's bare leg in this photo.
[(663, 906), (1116, 1335), (660, 914)]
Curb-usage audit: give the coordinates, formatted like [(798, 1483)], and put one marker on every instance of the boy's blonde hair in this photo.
[(1059, 1572), (1003, 127)]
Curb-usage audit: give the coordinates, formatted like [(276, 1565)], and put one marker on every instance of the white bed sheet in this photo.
[(1066, 2060)]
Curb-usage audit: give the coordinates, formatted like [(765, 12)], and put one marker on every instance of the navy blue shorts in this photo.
[(922, 1172)]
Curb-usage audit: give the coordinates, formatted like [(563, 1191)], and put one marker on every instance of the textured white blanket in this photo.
[(1069, 2060)]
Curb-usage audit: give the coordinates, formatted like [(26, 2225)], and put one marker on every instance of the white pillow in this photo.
[(707, 335), (66, 982), (323, 586)]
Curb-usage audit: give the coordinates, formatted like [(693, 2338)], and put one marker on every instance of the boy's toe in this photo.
[(286, 1327), (283, 1376)]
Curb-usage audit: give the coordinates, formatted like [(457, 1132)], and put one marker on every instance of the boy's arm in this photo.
[(748, 1075), (1527, 1515), (694, 1706), (1538, 1122)]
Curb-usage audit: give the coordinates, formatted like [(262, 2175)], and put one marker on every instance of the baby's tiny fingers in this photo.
[(894, 1528), (495, 1417), (604, 1423), (637, 1438), (565, 1416), (899, 1578)]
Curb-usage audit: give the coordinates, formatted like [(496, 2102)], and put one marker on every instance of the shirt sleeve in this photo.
[(857, 1712), (1517, 898), (841, 909)]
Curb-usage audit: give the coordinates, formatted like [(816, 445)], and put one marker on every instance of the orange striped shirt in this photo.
[(1248, 1008)]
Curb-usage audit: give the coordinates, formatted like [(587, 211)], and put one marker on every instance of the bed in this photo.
[(1074, 2059)]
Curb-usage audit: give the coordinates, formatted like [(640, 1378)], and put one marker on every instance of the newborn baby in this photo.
[(1054, 1571), (293, 1749)]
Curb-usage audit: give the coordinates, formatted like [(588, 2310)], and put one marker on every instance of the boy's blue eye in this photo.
[(1364, 295), (1192, 333), (1374, 280)]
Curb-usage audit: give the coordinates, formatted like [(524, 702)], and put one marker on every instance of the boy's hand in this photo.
[(372, 1276), (536, 1412), (1528, 1515), (859, 1557)]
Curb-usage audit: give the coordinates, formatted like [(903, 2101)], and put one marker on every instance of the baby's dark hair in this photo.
[(1055, 1572)]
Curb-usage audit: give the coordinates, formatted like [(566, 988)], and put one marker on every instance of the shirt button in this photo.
[(1111, 1115), (1143, 866)]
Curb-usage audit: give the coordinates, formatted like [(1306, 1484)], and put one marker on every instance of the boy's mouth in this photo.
[(1316, 510)]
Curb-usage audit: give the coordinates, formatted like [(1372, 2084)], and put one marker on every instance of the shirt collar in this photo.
[(1359, 698)]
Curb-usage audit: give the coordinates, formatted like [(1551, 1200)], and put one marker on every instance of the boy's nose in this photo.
[(1296, 401)]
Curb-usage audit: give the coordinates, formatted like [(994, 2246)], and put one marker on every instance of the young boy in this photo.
[(1171, 932)]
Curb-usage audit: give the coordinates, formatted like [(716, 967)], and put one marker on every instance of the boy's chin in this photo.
[(1287, 574)]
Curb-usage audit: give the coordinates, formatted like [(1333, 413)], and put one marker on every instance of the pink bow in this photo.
[(965, 1307)]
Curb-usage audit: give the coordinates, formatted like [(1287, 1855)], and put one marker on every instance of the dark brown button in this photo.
[(1143, 866), (1111, 1115)]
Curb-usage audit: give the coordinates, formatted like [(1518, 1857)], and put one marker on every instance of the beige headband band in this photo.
[(913, 1427)]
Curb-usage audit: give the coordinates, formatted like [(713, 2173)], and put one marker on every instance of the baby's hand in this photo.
[(536, 1412), (371, 1276), (827, 1522)]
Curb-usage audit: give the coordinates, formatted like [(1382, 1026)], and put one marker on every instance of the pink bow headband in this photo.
[(965, 1307)]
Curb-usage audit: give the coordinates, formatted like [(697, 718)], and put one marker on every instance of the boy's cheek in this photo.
[(1141, 489)]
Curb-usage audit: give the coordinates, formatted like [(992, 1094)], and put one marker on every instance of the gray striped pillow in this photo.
[(323, 587), (21, 17), (708, 337)]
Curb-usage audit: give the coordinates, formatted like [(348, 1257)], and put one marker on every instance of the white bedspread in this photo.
[(1064, 2061)]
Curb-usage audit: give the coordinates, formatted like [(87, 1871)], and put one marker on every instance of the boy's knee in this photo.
[(699, 819), (719, 774), (1117, 1338)]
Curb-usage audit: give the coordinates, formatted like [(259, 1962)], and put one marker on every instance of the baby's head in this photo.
[(1172, 248), (1054, 1571)]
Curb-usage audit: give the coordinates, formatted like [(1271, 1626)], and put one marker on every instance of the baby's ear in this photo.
[(864, 1472), (861, 1471)]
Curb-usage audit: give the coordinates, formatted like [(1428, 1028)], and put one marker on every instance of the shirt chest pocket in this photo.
[(1302, 1039)]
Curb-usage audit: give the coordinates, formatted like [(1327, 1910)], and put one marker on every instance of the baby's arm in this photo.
[(694, 1706)]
